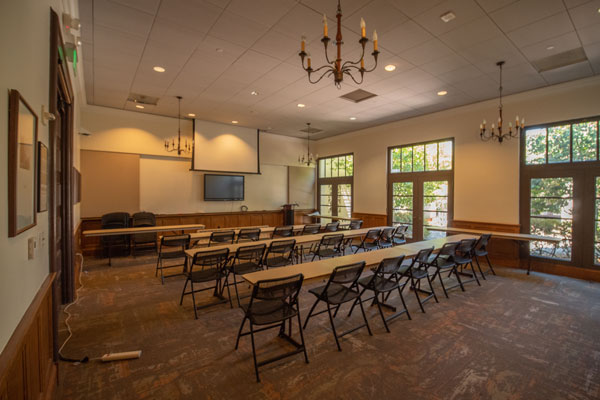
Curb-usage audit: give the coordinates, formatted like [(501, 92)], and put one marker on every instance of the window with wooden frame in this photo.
[(560, 171), (421, 187), (335, 185)]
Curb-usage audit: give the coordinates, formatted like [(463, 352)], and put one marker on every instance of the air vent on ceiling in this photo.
[(311, 130), (142, 99), (358, 95), (563, 59)]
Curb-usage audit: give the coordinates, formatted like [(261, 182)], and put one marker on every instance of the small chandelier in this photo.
[(308, 159), (170, 146), (498, 135), (336, 67)]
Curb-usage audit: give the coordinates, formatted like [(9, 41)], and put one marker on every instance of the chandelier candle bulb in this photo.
[(362, 63), (363, 28), (522, 123), (303, 43), (308, 61), (374, 40), (325, 31)]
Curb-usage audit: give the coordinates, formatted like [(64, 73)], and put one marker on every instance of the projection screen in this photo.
[(225, 148)]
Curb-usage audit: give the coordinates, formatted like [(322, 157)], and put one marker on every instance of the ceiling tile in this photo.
[(485, 55), (412, 8), (593, 54), (197, 15), (471, 33), (445, 64), (237, 29), (560, 44), (264, 12), (113, 44), (570, 72), (465, 11), (525, 12), (330, 7), (586, 14), (429, 51), (590, 34), (173, 35), (278, 45), (461, 74), (301, 21), (492, 5), (404, 37), (379, 15), (124, 19), (147, 6), (544, 29)]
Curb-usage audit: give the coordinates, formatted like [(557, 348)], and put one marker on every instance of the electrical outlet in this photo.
[(30, 248)]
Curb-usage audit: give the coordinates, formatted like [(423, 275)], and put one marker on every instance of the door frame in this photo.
[(334, 181)]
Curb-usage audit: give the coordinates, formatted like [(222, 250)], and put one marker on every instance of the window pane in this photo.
[(431, 157), (431, 203), (403, 202), (342, 166), (445, 160), (407, 153), (325, 190), (435, 188), (418, 158), (396, 159), (328, 167), (402, 213), (584, 141), (435, 207), (349, 165), (344, 212), (535, 146), (321, 168), (551, 210), (403, 189), (334, 167), (559, 144)]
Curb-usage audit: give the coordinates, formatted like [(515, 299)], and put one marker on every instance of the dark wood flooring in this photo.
[(515, 337)]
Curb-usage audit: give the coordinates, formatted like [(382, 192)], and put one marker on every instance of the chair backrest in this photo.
[(481, 245), (115, 220), (253, 253), (389, 266), (182, 241), (332, 226), (372, 235), (331, 241), (401, 231), (448, 249), (356, 224), (311, 229), (466, 246), (283, 231), (211, 258), (387, 234), (422, 256), (248, 234), (281, 247), (347, 274), (221, 237), (284, 289), (143, 219)]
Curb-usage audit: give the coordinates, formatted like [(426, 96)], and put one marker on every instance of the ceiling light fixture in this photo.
[(234, 122), (300, 105), (187, 148), (139, 106), (390, 67), (191, 115), (254, 93), (159, 69), (219, 50), (550, 48), (352, 118), (336, 68), (442, 93), (308, 159), (447, 17), (499, 136)]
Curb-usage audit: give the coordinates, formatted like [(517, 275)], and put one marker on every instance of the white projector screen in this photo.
[(225, 148)]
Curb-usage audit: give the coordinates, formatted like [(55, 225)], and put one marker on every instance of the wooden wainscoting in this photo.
[(371, 220), (27, 368), (91, 245)]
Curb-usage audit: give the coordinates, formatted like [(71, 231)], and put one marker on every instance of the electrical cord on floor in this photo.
[(66, 311)]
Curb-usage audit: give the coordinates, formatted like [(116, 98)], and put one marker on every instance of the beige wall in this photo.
[(25, 33), (167, 186), (486, 173)]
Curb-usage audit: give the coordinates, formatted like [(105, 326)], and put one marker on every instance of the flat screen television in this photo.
[(223, 187)]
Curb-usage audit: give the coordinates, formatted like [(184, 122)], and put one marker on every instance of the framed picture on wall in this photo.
[(22, 147), (42, 189)]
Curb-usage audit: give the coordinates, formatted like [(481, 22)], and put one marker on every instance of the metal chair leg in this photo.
[(194, 300), (337, 342), (490, 264), (364, 316), (254, 352), (311, 311), (183, 292), (302, 337), (237, 342)]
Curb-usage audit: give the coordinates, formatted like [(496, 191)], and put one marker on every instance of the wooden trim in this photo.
[(371, 220), (492, 226), (27, 369)]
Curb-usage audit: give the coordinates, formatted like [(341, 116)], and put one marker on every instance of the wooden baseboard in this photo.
[(27, 367), (370, 220)]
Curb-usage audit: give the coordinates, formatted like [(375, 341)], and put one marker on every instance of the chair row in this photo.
[(119, 220)]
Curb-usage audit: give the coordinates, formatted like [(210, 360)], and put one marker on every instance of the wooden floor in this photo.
[(515, 337)]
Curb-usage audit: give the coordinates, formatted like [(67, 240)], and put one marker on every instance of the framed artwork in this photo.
[(22, 147), (42, 189)]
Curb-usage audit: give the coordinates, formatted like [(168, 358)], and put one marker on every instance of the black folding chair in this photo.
[(419, 270), (355, 224), (332, 226), (310, 229), (221, 237), (399, 237), (283, 231), (207, 266), (143, 240), (481, 250), (247, 259), (280, 253), (273, 303), (386, 239), (172, 248), (387, 278), (342, 287), (114, 220), (248, 235), (443, 262), (328, 246), (369, 242), (464, 259)]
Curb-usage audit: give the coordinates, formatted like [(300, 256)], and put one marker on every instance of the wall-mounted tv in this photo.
[(223, 187)]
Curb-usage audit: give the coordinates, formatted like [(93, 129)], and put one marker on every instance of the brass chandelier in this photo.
[(308, 159), (170, 146), (494, 134), (336, 68)]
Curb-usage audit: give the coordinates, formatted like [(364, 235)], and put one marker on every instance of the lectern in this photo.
[(288, 213)]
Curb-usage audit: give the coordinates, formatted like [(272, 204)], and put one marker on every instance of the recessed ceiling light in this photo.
[(191, 115), (159, 69), (300, 105), (447, 17), (79, 43), (234, 122), (389, 67), (254, 93), (219, 50), (550, 48), (442, 93), (139, 106), (598, 10), (352, 118)]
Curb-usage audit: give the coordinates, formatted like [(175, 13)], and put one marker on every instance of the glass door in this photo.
[(435, 208), (402, 206), (344, 200)]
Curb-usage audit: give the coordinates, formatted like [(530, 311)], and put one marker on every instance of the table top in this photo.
[(324, 268), (300, 240), (205, 234), (333, 217), (141, 229), (526, 237)]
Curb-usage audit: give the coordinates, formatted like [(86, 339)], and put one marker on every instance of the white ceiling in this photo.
[(259, 40)]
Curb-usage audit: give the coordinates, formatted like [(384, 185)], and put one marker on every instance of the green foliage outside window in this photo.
[(435, 156), (562, 143)]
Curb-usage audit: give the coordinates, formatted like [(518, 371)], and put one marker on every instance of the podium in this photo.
[(288, 213)]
